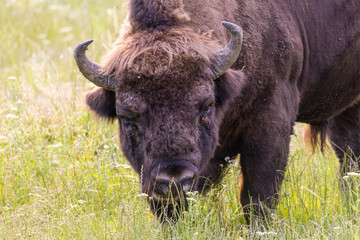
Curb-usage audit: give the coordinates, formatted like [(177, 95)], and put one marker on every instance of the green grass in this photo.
[(62, 175)]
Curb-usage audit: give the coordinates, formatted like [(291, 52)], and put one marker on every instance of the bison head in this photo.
[(169, 91)]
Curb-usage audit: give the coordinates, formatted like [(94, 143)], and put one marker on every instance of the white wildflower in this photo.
[(122, 165), (65, 29), (266, 233), (109, 11), (42, 36), (191, 199), (353, 174), (144, 195), (56, 145), (12, 116)]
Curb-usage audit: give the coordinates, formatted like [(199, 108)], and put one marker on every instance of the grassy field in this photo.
[(62, 175)]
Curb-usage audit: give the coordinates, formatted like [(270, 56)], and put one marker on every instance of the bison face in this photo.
[(169, 111), (168, 130)]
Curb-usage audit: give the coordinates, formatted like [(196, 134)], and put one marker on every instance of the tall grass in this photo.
[(62, 175)]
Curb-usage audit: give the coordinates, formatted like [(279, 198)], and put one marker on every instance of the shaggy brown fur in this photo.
[(315, 134), (299, 62), (142, 45)]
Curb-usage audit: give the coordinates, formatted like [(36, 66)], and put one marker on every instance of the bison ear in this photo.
[(227, 88), (102, 102)]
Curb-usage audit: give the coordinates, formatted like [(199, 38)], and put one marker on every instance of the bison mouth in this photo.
[(168, 209)]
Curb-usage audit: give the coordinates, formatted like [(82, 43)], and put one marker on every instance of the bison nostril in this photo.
[(186, 184), (162, 187), (165, 187), (169, 180)]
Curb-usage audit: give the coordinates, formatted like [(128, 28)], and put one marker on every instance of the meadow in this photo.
[(63, 176)]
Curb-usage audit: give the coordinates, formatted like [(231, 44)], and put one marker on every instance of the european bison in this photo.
[(185, 103)]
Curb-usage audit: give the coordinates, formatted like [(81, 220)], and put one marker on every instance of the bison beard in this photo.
[(185, 103)]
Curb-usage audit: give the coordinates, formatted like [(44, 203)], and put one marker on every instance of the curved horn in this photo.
[(226, 57), (91, 70)]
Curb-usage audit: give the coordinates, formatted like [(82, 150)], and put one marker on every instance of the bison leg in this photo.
[(263, 159), (344, 134)]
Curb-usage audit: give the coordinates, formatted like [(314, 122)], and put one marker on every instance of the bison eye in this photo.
[(125, 113), (128, 125), (205, 110), (127, 120), (204, 117), (206, 104)]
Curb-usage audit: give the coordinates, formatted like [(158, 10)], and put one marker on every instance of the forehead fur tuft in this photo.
[(149, 49)]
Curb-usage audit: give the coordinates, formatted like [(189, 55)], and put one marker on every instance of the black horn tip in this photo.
[(233, 28), (82, 47), (226, 57)]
